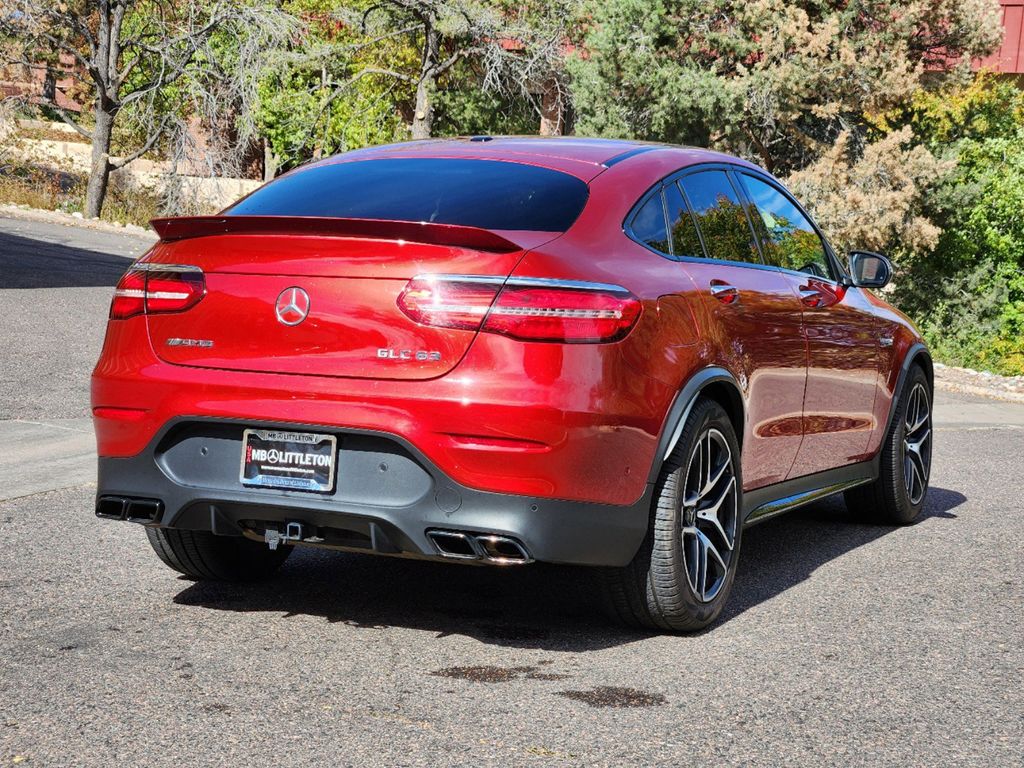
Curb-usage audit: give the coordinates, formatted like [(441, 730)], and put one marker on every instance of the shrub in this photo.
[(968, 292)]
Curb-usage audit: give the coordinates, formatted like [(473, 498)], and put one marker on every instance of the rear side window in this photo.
[(720, 216), (685, 240), (790, 242), (476, 193), (649, 225)]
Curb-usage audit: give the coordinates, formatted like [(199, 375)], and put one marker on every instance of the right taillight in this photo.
[(129, 296), (523, 308), (157, 288)]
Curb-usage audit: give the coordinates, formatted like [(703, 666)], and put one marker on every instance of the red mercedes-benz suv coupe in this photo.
[(507, 350)]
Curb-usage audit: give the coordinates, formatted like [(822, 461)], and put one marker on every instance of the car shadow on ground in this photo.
[(540, 606), (30, 263)]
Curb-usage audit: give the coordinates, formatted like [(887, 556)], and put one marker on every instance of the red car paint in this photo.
[(573, 421)]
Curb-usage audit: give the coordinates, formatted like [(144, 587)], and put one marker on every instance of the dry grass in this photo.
[(53, 134), (60, 191), (38, 188)]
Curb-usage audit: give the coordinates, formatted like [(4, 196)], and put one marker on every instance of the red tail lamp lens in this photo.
[(153, 290), (173, 291), (129, 296), (448, 303), (562, 314), (582, 313)]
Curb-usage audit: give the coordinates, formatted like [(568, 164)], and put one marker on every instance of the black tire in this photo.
[(888, 499), (655, 589), (202, 556)]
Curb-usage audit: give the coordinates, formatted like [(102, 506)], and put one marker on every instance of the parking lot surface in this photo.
[(843, 643)]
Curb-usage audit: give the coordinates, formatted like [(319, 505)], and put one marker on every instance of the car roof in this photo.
[(581, 157)]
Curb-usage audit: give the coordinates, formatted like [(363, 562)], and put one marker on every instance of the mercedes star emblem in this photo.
[(292, 306)]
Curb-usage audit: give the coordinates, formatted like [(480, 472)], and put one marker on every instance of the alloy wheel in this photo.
[(917, 444), (709, 515)]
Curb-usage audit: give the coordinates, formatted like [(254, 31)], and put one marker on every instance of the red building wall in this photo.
[(1010, 58)]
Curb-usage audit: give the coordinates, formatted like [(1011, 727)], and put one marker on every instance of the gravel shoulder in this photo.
[(24, 213), (981, 383)]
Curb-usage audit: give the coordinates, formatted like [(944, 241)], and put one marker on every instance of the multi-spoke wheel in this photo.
[(905, 459), (917, 443), (709, 515), (681, 577)]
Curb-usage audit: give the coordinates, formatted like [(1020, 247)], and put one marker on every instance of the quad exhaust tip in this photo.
[(126, 508), (490, 548)]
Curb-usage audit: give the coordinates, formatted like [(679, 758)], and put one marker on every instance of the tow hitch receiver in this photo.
[(292, 532)]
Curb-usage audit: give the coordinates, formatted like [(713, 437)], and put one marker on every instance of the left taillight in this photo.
[(156, 288)]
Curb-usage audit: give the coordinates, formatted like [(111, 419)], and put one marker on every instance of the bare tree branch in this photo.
[(155, 135)]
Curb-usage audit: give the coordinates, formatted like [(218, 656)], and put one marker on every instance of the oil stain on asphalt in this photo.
[(611, 696), (600, 696), (487, 674)]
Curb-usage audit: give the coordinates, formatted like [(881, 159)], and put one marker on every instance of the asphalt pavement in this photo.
[(843, 643)]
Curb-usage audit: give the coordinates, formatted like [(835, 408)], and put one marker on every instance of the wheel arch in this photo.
[(713, 382), (918, 355)]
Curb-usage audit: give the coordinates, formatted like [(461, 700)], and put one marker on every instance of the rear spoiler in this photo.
[(183, 228)]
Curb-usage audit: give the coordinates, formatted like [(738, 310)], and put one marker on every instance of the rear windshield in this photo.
[(476, 193)]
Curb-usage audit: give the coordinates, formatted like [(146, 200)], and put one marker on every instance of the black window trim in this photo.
[(730, 169)]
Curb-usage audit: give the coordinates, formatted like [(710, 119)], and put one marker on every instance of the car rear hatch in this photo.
[(304, 275), (317, 296)]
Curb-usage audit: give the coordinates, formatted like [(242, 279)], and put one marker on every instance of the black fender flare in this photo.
[(917, 351), (680, 410)]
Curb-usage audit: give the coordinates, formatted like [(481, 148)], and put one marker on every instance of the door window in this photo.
[(720, 216), (790, 240)]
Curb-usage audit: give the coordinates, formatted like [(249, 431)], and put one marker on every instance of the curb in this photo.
[(972, 389), (953, 379), (69, 220)]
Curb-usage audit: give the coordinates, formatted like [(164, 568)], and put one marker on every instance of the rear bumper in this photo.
[(387, 496), (554, 421)]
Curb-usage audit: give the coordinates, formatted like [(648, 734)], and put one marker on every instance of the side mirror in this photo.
[(870, 270)]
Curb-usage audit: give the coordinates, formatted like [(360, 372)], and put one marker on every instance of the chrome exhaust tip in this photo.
[(491, 548), (111, 507), (453, 544), (501, 550), (133, 510), (143, 510)]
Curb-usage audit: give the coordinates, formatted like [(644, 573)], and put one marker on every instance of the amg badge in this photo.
[(408, 354), (176, 342)]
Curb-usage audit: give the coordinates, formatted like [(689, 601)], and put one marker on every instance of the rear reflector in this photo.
[(157, 288), (522, 308)]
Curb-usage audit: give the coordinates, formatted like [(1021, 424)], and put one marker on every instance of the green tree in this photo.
[(367, 72), (968, 291), (771, 79), (796, 86)]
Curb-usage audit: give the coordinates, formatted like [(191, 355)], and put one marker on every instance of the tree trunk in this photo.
[(423, 117), (269, 161), (99, 172), (552, 113)]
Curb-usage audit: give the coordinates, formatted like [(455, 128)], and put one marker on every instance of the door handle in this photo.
[(811, 297), (724, 292)]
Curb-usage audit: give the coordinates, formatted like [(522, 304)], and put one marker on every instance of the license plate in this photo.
[(296, 461)]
